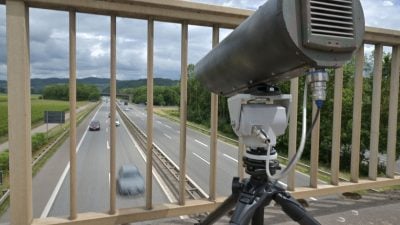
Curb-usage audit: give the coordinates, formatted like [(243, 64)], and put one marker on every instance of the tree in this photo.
[(61, 92)]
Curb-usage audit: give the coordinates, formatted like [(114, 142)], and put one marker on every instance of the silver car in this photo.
[(130, 182)]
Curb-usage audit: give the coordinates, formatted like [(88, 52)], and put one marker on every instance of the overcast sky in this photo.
[(49, 41)]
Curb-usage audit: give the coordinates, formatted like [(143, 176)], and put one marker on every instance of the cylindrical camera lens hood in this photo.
[(280, 40)]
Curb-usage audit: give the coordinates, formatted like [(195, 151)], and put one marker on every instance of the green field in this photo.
[(37, 110)]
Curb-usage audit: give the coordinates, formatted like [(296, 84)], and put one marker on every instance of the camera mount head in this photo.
[(259, 119)]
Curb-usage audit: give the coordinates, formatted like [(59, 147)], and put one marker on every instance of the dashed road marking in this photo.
[(201, 158), (230, 157), (167, 126), (201, 143), (167, 136)]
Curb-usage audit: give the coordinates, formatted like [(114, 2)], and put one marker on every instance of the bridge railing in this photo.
[(184, 13)]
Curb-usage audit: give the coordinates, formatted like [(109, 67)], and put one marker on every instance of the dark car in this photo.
[(130, 182), (94, 125)]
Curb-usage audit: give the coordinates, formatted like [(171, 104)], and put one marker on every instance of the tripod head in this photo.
[(259, 117)]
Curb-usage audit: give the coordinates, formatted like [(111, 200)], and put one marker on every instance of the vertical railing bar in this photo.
[(337, 126), (314, 149), (375, 113), (294, 91), (393, 107), (113, 131), (357, 106), (19, 112), (214, 128), (72, 116), (183, 113), (149, 147), (240, 158)]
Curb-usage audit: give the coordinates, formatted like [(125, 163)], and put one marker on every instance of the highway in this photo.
[(50, 190), (93, 166), (51, 183), (166, 137)]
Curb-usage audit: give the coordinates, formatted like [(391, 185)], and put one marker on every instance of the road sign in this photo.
[(54, 117)]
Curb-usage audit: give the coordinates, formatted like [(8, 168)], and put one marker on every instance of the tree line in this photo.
[(84, 92), (162, 95)]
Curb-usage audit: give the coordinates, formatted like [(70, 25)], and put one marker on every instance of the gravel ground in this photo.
[(372, 208)]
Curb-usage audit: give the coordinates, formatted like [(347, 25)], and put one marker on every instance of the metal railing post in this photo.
[(393, 107), (72, 116), (183, 113), (314, 161), (19, 112), (149, 150), (375, 114), (357, 107), (113, 131), (294, 91), (214, 129), (336, 126)]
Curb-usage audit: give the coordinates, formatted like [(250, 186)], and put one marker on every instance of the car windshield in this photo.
[(128, 171)]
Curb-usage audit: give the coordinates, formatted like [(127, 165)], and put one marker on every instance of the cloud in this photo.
[(384, 14), (49, 38), (388, 3), (243, 4)]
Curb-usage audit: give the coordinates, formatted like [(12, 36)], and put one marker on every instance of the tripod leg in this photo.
[(227, 205), (294, 210), (258, 217)]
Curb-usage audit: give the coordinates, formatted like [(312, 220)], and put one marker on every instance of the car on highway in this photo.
[(130, 182), (117, 123), (94, 125)]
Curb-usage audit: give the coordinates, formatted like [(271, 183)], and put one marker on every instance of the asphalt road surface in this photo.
[(166, 136), (51, 184)]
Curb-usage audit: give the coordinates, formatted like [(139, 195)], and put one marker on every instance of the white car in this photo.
[(117, 123)]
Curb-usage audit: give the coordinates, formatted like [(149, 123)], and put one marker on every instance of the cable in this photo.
[(293, 161), (313, 123)]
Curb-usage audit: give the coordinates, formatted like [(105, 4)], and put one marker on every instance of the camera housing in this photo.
[(280, 41)]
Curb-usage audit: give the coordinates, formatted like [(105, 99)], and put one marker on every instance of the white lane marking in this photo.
[(159, 122), (201, 143), (201, 158), (167, 136), (109, 180), (167, 126), (53, 196), (108, 145), (107, 129), (231, 158), (157, 176)]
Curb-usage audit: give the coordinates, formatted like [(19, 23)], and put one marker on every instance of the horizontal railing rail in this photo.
[(185, 13)]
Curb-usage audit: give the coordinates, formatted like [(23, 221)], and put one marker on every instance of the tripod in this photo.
[(250, 196)]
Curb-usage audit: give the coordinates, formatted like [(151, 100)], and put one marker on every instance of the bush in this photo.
[(38, 141), (4, 161)]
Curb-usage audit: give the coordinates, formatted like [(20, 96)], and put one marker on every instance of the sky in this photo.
[(49, 41)]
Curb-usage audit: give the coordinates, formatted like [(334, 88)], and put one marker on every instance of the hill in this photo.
[(37, 84)]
